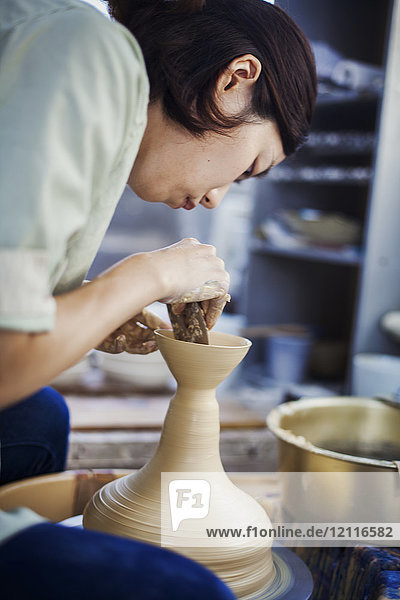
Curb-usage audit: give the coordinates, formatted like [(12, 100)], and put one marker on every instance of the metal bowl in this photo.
[(344, 433), (339, 459)]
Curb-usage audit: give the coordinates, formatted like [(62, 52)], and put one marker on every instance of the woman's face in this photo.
[(182, 171)]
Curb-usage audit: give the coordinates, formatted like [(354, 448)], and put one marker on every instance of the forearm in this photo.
[(84, 317), (89, 314)]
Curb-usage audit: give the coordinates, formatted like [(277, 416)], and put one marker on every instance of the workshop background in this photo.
[(314, 256), (313, 252)]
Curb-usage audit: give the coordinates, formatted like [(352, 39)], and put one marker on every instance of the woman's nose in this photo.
[(214, 197)]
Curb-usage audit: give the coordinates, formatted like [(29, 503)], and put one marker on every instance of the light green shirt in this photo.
[(73, 108), (14, 521)]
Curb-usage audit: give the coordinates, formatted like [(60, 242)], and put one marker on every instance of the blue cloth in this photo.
[(49, 561), (34, 436)]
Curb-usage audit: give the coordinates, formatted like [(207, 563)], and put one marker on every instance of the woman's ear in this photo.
[(235, 86)]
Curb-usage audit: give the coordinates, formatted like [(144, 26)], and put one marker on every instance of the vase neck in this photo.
[(190, 435)]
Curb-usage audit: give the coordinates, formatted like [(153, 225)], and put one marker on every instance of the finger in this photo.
[(143, 334), (113, 345), (178, 308), (151, 320), (205, 306), (215, 308), (130, 328), (135, 331), (210, 289), (144, 348), (205, 292)]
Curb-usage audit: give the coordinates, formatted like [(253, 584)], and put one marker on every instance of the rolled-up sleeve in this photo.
[(30, 309), (63, 120)]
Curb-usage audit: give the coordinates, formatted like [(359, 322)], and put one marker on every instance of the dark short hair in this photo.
[(187, 44)]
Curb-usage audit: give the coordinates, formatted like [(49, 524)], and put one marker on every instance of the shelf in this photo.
[(349, 256), (332, 175), (330, 94), (256, 375), (346, 167), (341, 142)]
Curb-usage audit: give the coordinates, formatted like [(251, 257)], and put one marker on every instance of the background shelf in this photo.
[(338, 293), (341, 142), (330, 174), (351, 256)]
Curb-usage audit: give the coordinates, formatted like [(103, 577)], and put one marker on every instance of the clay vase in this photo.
[(139, 505)]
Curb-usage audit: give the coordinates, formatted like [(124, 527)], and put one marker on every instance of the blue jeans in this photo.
[(34, 436), (48, 561)]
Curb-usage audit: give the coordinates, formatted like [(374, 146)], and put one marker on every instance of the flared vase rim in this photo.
[(168, 334)]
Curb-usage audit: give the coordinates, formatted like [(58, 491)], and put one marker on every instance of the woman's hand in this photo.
[(192, 272), (212, 308), (136, 336), (86, 315)]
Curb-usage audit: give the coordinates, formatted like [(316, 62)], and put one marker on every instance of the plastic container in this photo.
[(376, 374), (287, 357)]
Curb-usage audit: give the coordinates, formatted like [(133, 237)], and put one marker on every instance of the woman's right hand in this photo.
[(86, 315), (191, 272)]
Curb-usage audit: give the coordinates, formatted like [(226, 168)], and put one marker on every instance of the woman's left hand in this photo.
[(136, 336)]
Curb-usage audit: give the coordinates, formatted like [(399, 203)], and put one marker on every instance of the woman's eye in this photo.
[(249, 171), (246, 174)]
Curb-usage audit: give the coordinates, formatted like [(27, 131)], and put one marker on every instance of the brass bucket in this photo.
[(325, 445)]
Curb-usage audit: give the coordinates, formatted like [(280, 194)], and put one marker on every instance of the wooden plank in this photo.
[(241, 449), (144, 412)]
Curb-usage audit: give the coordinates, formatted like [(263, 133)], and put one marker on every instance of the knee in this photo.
[(54, 410), (84, 564), (34, 436), (51, 409), (44, 415), (55, 403)]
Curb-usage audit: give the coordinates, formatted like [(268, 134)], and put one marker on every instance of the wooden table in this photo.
[(122, 431)]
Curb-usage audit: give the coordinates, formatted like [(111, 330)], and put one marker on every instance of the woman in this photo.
[(177, 98)]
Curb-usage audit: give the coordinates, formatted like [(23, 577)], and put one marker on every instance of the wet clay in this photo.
[(190, 324), (133, 505)]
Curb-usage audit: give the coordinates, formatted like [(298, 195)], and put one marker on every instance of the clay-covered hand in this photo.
[(212, 308), (195, 274), (136, 336)]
